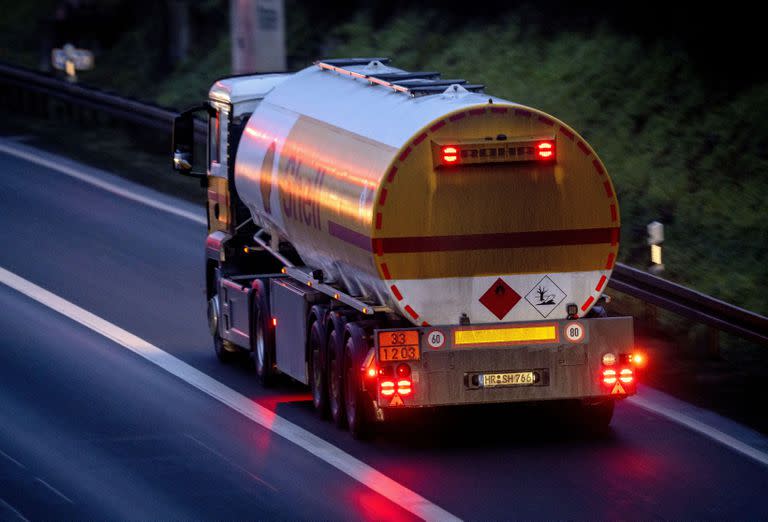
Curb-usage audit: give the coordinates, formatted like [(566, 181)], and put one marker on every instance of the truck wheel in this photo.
[(357, 403), (336, 379), (225, 351), (262, 349), (319, 373)]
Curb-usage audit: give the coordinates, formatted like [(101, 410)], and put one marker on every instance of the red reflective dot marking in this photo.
[(608, 189), (614, 236), (396, 292), (598, 167), (437, 125), (523, 112), (546, 120), (583, 148), (411, 311), (614, 213), (567, 133), (424, 323), (391, 176), (420, 138), (601, 283), (405, 154), (378, 220), (609, 263), (587, 303), (385, 271), (379, 245), (499, 110), (476, 112), (383, 197), (458, 116)]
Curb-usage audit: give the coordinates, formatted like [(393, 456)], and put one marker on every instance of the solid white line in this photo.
[(358, 470), (56, 491), (19, 464), (104, 185), (14, 510), (700, 427)]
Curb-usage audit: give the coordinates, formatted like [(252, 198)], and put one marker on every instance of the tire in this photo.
[(263, 350), (357, 403), (319, 373), (335, 375)]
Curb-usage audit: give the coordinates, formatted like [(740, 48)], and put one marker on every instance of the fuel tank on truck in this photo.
[(435, 199)]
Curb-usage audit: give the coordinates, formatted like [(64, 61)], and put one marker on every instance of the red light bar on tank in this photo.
[(476, 152)]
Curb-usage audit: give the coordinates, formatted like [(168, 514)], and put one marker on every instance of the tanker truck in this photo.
[(396, 240)]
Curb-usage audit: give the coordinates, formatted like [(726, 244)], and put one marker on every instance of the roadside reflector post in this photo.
[(70, 60), (655, 239)]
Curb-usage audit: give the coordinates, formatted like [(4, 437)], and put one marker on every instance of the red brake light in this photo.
[(387, 388), (609, 376), (545, 150), (450, 154), (404, 387), (626, 376)]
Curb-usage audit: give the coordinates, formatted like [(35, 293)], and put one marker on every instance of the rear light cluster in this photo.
[(625, 375), (621, 367), (395, 380)]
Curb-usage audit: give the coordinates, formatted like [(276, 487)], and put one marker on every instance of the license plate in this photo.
[(493, 380), (399, 345)]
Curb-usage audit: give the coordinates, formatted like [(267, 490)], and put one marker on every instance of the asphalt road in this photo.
[(88, 430)]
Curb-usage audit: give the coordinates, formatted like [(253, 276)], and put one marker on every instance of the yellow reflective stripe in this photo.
[(505, 335)]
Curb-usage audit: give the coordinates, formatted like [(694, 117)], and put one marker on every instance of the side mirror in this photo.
[(183, 142)]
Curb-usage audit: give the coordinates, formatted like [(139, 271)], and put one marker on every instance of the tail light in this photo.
[(403, 371), (404, 387), (609, 376), (450, 155), (387, 388), (626, 376), (545, 150)]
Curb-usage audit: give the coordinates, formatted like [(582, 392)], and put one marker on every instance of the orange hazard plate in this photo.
[(400, 345)]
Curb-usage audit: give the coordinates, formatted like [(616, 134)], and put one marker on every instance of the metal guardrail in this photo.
[(631, 281), (137, 112)]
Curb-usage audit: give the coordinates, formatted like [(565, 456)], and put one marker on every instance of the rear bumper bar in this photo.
[(453, 365)]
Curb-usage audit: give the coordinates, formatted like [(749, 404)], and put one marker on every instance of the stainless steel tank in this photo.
[(439, 205)]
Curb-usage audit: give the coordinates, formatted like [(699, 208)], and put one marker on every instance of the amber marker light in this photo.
[(639, 359)]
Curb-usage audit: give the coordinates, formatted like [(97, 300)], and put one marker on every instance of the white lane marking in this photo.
[(104, 185), (13, 510), (19, 464), (700, 427), (54, 490), (358, 470), (233, 464)]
